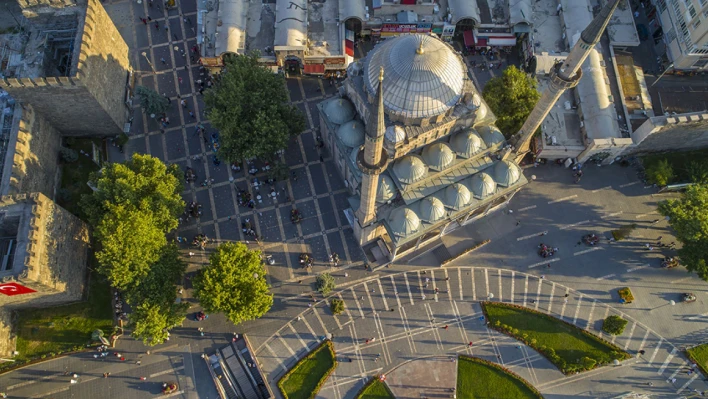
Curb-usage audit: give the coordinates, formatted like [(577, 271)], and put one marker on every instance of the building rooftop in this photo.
[(547, 34), (324, 31), (621, 29)]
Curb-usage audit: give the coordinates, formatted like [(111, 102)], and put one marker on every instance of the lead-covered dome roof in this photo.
[(438, 156), (410, 169), (506, 173), (351, 133), (423, 77), (456, 196), (403, 222), (482, 185), (431, 209), (467, 143), (491, 135)]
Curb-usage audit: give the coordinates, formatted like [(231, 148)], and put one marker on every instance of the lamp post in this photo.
[(149, 63), (663, 73)]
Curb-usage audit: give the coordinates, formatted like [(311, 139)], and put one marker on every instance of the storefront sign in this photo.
[(313, 61), (11, 289), (211, 61), (448, 30), (334, 61), (397, 29)]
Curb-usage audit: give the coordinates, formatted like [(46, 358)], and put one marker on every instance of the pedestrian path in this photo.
[(395, 318)]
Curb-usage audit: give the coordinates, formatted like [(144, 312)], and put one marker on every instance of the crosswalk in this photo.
[(395, 318)]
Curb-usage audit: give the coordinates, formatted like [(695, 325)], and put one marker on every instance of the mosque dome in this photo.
[(339, 110), (457, 196), (431, 209), (386, 189), (410, 169), (482, 185), (423, 76), (467, 143), (506, 173), (403, 222), (354, 154), (438, 156), (395, 134), (351, 133), (491, 135), (474, 102)]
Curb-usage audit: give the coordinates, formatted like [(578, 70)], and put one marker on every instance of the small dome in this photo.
[(483, 185), (491, 135), (410, 169), (386, 190), (467, 143), (395, 134), (506, 173), (403, 222), (351, 133), (438, 156), (474, 102), (431, 209), (339, 110), (457, 196), (482, 112)]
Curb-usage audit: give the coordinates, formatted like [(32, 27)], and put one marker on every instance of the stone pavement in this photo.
[(403, 318)]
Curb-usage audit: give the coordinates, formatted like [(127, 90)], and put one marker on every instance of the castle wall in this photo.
[(684, 132)]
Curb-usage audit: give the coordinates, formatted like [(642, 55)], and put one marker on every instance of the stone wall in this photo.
[(53, 250), (36, 149), (90, 102), (683, 132), (8, 343)]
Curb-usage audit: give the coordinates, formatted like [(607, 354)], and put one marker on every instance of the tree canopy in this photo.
[(152, 101), (134, 205), (511, 97), (248, 105), (688, 216), (234, 283)]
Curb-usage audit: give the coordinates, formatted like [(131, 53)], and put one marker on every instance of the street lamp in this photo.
[(255, 276), (663, 73), (149, 63)]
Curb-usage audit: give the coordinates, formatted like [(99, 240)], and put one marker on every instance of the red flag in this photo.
[(11, 289)]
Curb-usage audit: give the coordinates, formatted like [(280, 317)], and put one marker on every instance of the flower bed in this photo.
[(305, 379), (568, 347)]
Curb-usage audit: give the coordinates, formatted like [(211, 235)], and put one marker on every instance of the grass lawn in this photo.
[(544, 332), (699, 354), (41, 332), (376, 390), (304, 380), (478, 380), (75, 175)]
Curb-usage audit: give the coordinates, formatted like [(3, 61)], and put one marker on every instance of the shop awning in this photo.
[(314, 69), (469, 38), (501, 41)]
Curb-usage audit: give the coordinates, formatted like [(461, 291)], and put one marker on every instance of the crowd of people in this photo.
[(545, 251)]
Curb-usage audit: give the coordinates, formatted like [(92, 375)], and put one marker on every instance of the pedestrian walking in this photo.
[(179, 78), (191, 114), (149, 18), (162, 60), (169, 101), (167, 27), (183, 102), (157, 25), (144, 21)]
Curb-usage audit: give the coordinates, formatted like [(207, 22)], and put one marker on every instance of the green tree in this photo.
[(152, 101), (660, 173), (249, 106), (511, 97), (614, 325), (336, 306), (325, 283), (234, 283), (688, 216), (152, 322)]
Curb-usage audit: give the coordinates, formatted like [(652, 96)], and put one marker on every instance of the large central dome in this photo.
[(423, 77)]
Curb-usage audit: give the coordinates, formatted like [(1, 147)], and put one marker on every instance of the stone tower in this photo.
[(565, 75), (372, 159)]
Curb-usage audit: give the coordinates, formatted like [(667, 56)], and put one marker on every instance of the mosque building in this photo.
[(416, 146)]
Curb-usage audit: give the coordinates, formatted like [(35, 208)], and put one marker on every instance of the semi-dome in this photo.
[(403, 222), (457, 196), (506, 173), (431, 209), (386, 189), (395, 134), (482, 185), (491, 135), (410, 169), (467, 143), (474, 101), (339, 110), (423, 76), (351, 133), (438, 156)]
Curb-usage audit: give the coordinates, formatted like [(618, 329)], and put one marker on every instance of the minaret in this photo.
[(565, 75), (372, 160)]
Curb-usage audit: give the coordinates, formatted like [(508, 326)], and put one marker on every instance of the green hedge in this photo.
[(547, 334), (305, 379), (699, 355), (614, 325), (375, 389), (476, 385)]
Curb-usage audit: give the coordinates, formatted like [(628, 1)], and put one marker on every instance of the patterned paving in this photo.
[(404, 318)]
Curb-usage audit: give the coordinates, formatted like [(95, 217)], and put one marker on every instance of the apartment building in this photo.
[(680, 30)]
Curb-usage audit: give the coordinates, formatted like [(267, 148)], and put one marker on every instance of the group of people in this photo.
[(201, 241), (189, 175), (546, 251), (591, 239), (306, 260), (295, 216), (248, 229), (193, 209), (244, 199)]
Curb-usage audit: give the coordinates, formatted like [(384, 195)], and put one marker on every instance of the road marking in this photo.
[(317, 314), (406, 329), (538, 293), (588, 250), (592, 309), (447, 282), (666, 362), (336, 319), (459, 282), (577, 310), (532, 236), (526, 208), (545, 262), (695, 375), (355, 344), (432, 280), (646, 214), (674, 373), (407, 325), (641, 345), (656, 350), (563, 199), (636, 268), (383, 295), (628, 184), (609, 215), (550, 298), (371, 301), (302, 341), (408, 287), (474, 287), (420, 285), (600, 189), (163, 372), (631, 332), (358, 305), (382, 336), (499, 277), (574, 224), (511, 295), (309, 328), (463, 331), (681, 280), (281, 364), (280, 337), (395, 292), (434, 329), (698, 316), (606, 277), (526, 288), (486, 281)]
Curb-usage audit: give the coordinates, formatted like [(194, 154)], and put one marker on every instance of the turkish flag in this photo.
[(11, 289)]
